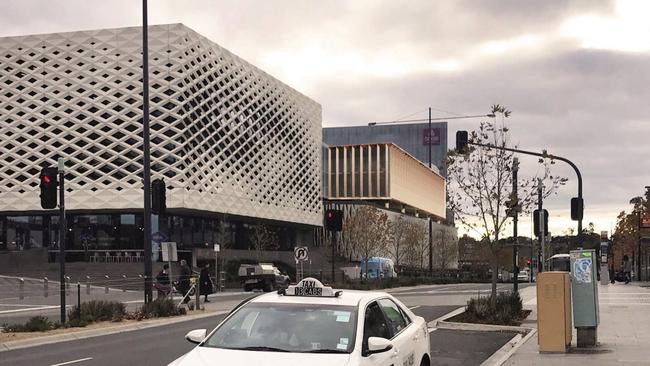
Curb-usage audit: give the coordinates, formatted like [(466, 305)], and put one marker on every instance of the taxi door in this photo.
[(375, 324), (405, 335)]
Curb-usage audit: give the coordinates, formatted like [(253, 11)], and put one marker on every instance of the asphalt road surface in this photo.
[(161, 345)]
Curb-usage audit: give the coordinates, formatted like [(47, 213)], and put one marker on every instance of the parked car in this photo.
[(263, 276)]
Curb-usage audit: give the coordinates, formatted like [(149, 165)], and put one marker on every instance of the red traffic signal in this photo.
[(334, 220), (49, 184)]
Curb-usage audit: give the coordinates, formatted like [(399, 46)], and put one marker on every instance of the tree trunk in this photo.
[(495, 277)]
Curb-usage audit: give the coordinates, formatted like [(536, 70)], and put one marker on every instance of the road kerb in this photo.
[(434, 322), (502, 354), (57, 338)]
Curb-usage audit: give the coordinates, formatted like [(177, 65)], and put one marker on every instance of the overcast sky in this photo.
[(574, 73)]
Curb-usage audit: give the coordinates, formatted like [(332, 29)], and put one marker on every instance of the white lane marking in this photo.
[(74, 361), (23, 305), (32, 309), (414, 307)]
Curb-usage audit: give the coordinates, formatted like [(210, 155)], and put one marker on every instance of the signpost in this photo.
[(169, 255), (301, 254), (217, 248)]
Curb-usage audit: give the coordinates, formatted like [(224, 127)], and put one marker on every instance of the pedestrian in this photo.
[(205, 282), (163, 282), (627, 269), (184, 281)]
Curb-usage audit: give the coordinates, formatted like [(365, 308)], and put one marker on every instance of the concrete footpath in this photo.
[(623, 333)]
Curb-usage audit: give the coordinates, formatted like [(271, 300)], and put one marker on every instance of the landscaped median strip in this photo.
[(501, 355), (82, 334)]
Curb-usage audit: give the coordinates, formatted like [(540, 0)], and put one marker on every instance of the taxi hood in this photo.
[(207, 356)]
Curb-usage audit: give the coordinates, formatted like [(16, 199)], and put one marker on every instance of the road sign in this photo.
[(158, 237), (169, 252), (301, 253), (217, 247)]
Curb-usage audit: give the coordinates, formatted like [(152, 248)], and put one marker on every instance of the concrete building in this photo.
[(236, 147)]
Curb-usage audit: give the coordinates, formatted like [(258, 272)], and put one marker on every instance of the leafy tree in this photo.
[(481, 181), (417, 250), (367, 232), (397, 246), (445, 247)]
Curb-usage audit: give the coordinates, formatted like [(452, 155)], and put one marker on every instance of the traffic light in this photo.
[(158, 196), (334, 220), (461, 141), (512, 205), (49, 184), (577, 207), (536, 227)]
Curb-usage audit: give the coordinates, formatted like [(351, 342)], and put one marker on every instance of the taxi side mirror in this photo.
[(378, 345), (196, 336)]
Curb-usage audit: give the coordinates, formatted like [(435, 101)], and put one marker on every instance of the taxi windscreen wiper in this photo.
[(263, 348), (326, 351)]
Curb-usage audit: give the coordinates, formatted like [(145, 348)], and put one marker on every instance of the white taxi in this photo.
[(309, 324)]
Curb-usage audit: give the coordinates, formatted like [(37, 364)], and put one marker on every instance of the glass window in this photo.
[(374, 324), (396, 319), (288, 328)]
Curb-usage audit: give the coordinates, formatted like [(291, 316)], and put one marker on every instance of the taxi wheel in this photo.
[(425, 361)]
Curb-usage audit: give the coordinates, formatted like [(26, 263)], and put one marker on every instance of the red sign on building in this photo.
[(644, 220)]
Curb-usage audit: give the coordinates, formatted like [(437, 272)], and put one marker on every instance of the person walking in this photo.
[(184, 281), (205, 283), (163, 282), (627, 269)]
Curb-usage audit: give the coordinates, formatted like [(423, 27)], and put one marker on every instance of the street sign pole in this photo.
[(542, 229), (146, 173), (515, 219), (62, 231)]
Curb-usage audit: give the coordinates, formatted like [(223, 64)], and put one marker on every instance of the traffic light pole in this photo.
[(542, 228), (515, 219), (62, 231), (543, 155), (146, 174), (430, 222)]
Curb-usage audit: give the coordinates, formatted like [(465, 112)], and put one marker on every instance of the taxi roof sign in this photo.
[(311, 287)]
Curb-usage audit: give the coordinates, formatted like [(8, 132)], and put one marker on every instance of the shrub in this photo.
[(96, 311), (35, 324), (505, 309), (159, 308)]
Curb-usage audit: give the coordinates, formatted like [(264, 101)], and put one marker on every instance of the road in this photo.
[(161, 345)]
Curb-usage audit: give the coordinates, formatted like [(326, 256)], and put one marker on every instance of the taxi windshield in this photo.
[(312, 328)]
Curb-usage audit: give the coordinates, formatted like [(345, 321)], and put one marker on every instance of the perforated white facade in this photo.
[(225, 136)]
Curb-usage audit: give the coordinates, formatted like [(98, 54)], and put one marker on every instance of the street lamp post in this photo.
[(371, 124)]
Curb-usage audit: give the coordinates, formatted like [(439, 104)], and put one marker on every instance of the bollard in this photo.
[(45, 287), (198, 294), (106, 286), (67, 286), (124, 278), (79, 300), (87, 285), (21, 289)]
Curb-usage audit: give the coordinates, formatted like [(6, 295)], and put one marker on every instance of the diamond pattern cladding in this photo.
[(226, 136)]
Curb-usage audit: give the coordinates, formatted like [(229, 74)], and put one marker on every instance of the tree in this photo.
[(263, 238), (367, 232), (445, 247), (397, 246), (481, 181), (417, 249)]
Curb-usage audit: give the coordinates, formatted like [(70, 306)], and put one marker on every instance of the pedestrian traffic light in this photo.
[(49, 184), (536, 226), (512, 205), (334, 220), (577, 208), (158, 196), (461, 141)]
